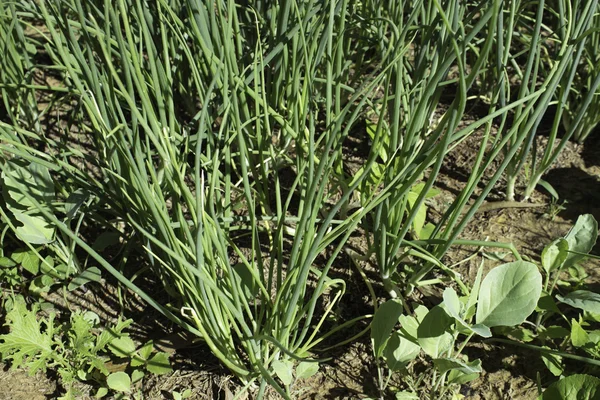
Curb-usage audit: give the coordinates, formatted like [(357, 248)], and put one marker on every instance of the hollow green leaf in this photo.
[(400, 351), (509, 294), (119, 381), (582, 299), (581, 238), (383, 323), (574, 387), (432, 335)]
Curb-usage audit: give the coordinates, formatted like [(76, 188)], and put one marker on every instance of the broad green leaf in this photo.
[(554, 255), (400, 351), (509, 294), (452, 302), (581, 238), (34, 180), (91, 274), (106, 239), (283, 370), (517, 332), (447, 364), (554, 332), (383, 323), (579, 336), (406, 396), (553, 362), (119, 381), (122, 347), (74, 202), (432, 335), (453, 307), (409, 326), (574, 387), (28, 260), (159, 364), (101, 392), (459, 378), (472, 301), (305, 370), (582, 299), (246, 281), (547, 303), (35, 228)]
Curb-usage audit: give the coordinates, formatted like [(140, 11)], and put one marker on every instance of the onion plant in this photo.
[(223, 176), (417, 142), (560, 44), (582, 94)]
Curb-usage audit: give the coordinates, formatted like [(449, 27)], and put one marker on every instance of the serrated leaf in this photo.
[(574, 387), (582, 299), (305, 370), (28, 260), (159, 364), (509, 294), (432, 335), (137, 375), (283, 370), (400, 351), (29, 342), (383, 323), (146, 350), (581, 238), (119, 381), (122, 347)]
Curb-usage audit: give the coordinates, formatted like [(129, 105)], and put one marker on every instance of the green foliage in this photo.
[(574, 387), (77, 350), (506, 297)]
